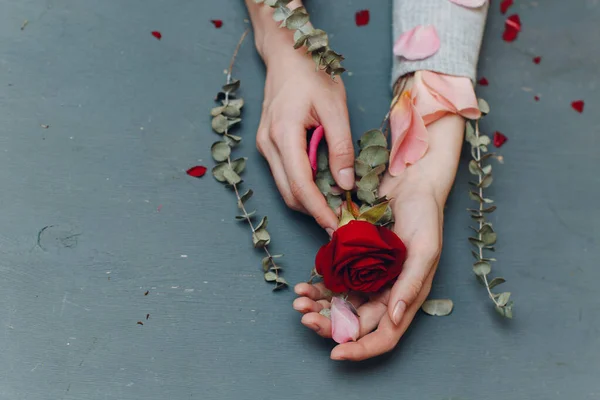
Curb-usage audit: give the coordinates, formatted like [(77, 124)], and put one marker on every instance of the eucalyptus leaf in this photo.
[(251, 214), (239, 164), (488, 210), (232, 140), (495, 282), (262, 224), (231, 111), (233, 121), (481, 268), (439, 308), (322, 159), (317, 39), (374, 214), (326, 175), (366, 196), (476, 255), (279, 14), (270, 276), (261, 238), (231, 177), (326, 312), (374, 137), (231, 87), (281, 279), (333, 201), (280, 286), (476, 242), (484, 140), (237, 103), (323, 185), (245, 197), (505, 311), (487, 169), (487, 234), (361, 168), (486, 181), (470, 134), (218, 171), (217, 110), (483, 147), (474, 168), (374, 155), (369, 182), (297, 19), (220, 123), (484, 107), (220, 151), (301, 41), (475, 196), (488, 201)]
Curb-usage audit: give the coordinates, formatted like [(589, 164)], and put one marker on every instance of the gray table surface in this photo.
[(127, 115)]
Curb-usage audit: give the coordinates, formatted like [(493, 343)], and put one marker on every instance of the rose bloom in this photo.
[(360, 257)]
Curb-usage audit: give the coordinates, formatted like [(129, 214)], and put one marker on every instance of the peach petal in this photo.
[(428, 106), (455, 90), (418, 43), (345, 326)]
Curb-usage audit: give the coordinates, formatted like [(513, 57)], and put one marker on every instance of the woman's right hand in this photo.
[(299, 97)]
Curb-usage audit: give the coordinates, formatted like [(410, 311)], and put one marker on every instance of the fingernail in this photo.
[(398, 312), (329, 232), (346, 177)]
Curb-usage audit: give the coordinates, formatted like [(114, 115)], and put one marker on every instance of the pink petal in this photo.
[(409, 135), (344, 323), (430, 106), (458, 91), (469, 3), (315, 139), (418, 43)]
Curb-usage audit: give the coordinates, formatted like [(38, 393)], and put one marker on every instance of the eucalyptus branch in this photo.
[(315, 40), (485, 237), (228, 170)]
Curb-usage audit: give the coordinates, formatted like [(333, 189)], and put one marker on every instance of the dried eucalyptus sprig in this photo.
[(485, 237), (228, 171), (315, 40)]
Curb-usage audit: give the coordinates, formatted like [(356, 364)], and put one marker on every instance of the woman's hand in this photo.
[(298, 97), (418, 196)]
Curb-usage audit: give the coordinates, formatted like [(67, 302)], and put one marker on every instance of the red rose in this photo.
[(360, 257)]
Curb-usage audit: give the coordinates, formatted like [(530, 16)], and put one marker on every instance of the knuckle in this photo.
[(261, 143), (343, 148), (291, 202), (297, 189)]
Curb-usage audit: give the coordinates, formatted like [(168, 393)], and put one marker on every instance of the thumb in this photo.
[(334, 118), (410, 283)]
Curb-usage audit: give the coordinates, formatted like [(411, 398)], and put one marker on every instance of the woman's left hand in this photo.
[(418, 196)]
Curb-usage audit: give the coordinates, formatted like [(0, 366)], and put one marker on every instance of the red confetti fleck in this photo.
[(217, 23), (362, 17), (483, 81), (505, 5), (536, 98), (512, 28), (140, 323), (499, 139), (157, 34), (159, 207), (578, 106), (537, 60), (197, 171)]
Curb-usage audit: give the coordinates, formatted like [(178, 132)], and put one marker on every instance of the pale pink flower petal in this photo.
[(409, 135), (428, 105), (454, 90), (344, 323), (315, 139), (469, 3), (418, 43)]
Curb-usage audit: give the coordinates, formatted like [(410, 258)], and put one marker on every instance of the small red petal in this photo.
[(159, 207), (197, 171), (578, 106), (483, 81), (157, 34), (537, 60), (362, 17), (499, 139), (505, 5), (217, 23), (536, 98), (512, 28)]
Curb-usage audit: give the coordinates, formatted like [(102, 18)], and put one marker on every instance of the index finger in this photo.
[(302, 186)]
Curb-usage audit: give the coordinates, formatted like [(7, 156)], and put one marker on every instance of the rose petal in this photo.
[(429, 104), (512, 28), (362, 17), (469, 3), (313, 146), (483, 81), (418, 43), (578, 106), (409, 135), (537, 60), (157, 34), (505, 5), (344, 323), (536, 98), (197, 171), (457, 91), (217, 23), (499, 139)]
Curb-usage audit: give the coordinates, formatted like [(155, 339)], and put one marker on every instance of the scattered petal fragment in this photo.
[(197, 172), (499, 139), (505, 5), (536, 98), (483, 81), (578, 106), (217, 23), (315, 139), (418, 43), (469, 3), (512, 28), (157, 34), (362, 17), (438, 308), (344, 323), (537, 60)]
